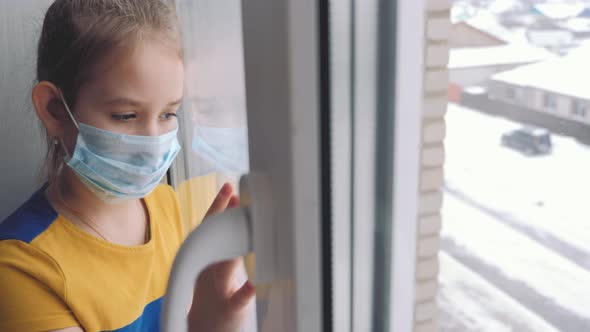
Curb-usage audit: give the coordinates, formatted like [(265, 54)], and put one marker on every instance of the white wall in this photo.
[(21, 146), (535, 99)]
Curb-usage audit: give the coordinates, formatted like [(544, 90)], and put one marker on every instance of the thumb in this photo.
[(242, 296)]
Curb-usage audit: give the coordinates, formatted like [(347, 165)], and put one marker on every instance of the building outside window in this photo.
[(510, 93), (579, 108), (550, 101)]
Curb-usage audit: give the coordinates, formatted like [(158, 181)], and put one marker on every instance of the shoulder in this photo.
[(22, 262), (30, 220), (21, 258), (33, 288)]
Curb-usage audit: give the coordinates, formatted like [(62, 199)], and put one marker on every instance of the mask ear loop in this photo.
[(63, 100)]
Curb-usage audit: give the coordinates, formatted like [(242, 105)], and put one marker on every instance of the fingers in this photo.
[(234, 202), (225, 273), (242, 296), (221, 202)]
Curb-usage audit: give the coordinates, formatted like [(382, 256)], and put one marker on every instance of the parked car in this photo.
[(529, 140)]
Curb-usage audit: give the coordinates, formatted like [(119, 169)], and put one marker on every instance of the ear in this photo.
[(49, 107)]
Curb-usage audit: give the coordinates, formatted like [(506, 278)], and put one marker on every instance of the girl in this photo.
[(92, 249)]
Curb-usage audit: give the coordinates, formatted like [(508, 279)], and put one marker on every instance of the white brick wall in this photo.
[(433, 154), (425, 311), (431, 179), (428, 326), (434, 132), (429, 225), (430, 202), (427, 269), (435, 105), (426, 291), (438, 5), (428, 247), (438, 28), (436, 79), (437, 55)]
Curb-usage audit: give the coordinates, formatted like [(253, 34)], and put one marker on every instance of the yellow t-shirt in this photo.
[(53, 275)]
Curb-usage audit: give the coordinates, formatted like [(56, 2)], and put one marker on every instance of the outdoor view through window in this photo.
[(515, 248)]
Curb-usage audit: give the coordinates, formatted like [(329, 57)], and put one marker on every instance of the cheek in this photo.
[(69, 138), (170, 125)]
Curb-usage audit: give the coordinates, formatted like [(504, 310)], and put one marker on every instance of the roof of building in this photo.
[(496, 55), (568, 75), (560, 10), (488, 23), (553, 37), (577, 25)]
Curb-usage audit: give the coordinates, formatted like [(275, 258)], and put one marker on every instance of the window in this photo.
[(515, 241), (550, 101), (371, 230), (212, 119), (579, 108), (510, 93)]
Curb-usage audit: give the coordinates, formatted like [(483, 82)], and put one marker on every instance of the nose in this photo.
[(151, 128)]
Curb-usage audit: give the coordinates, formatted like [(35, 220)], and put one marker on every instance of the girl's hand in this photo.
[(219, 301)]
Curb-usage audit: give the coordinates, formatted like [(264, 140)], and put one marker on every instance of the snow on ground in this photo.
[(545, 195), (518, 256), (470, 303), (549, 193)]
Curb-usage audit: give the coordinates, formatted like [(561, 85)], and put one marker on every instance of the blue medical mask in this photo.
[(224, 149), (116, 166)]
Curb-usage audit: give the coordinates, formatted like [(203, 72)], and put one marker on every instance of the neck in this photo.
[(78, 195), (123, 223)]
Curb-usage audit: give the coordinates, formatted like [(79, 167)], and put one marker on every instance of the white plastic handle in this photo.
[(220, 237)]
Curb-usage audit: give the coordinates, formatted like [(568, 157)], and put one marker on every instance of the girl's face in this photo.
[(134, 92)]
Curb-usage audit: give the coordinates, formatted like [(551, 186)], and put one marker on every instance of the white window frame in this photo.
[(298, 257), (409, 43), (409, 93)]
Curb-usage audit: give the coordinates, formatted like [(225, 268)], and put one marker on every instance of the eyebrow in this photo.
[(122, 101), (175, 103)]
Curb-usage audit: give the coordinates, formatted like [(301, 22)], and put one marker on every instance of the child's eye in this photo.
[(123, 117), (169, 116)]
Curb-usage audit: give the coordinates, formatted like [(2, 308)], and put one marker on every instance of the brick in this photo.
[(426, 290), (437, 55), (428, 247), (433, 156), (429, 326), (432, 179), (426, 311), (438, 5), (430, 225), (430, 203), (427, 268), (438, 28), (436, 80), (435, 106), (434, 132)]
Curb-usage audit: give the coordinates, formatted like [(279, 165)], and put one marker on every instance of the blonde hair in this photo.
[(77, 34)]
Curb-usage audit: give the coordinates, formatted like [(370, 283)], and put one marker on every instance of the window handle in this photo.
[(220, 237)]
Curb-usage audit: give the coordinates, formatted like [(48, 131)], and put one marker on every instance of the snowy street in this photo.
[(516, 232)]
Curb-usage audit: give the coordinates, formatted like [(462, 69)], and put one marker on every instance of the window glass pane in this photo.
[(213, 117), (515, 249)]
